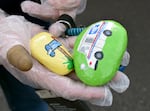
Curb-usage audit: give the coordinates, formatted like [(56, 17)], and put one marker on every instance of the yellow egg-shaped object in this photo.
[(51, 53)]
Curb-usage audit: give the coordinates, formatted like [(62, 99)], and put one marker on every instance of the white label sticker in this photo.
[(93, 41)]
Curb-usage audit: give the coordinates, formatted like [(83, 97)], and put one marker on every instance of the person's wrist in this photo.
[(67, 20)]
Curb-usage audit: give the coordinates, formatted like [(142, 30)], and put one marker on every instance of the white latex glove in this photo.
[(52, 9), (15, 30)]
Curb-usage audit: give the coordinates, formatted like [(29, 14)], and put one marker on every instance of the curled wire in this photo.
[(74, 31)]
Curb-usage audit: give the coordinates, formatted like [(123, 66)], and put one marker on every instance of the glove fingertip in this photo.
[(24, 6), (121, 84), (105, 101), (126, 59), (57, 29)]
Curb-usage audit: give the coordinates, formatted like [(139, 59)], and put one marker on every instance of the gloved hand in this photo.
[(53, 9), (16, 31)]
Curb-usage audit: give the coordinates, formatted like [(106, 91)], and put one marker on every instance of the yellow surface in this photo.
[(57, 64)]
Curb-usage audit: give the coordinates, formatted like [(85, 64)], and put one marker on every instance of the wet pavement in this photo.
[(135, 16)]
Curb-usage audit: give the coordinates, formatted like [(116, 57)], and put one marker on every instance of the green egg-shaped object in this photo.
[(98, 52)]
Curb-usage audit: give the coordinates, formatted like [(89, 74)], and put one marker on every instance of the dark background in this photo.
[(134, 15)]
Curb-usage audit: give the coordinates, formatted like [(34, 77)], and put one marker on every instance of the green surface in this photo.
[(113, 50)]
